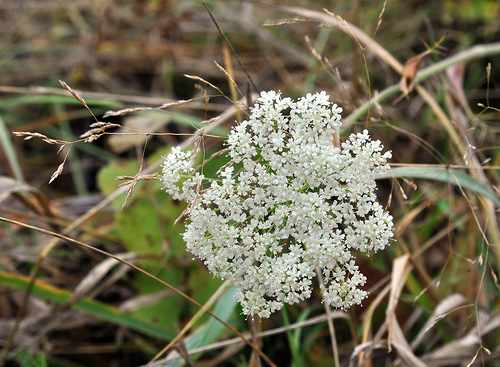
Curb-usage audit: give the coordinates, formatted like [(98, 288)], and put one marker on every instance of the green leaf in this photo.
[(52, 98), (106, 178), (202, 285), (208, 333), (164, 313), (450, 175), (138, 227), (95, 308)]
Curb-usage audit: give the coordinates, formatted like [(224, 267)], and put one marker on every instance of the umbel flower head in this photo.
[(289, 201)]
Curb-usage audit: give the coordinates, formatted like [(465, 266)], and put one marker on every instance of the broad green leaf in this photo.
[(138, 227), (202, 284), (106, 178), (166, 313), (450, 175)]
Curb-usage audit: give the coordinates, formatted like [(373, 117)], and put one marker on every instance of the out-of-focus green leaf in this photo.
[(164, 313), (26, 359), (209, 333), (143, 123), (138, 227), (51, 99), (95, 308), (150, 122), (202, 284), (224, 308), (452, 176), (107, 182)]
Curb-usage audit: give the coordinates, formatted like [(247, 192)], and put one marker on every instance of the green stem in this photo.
[(472, 53)]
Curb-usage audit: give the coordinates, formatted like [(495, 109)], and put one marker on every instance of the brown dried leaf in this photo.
[(145, 300), (462, 350), (398, 340), (400, 271), (446, 306), (410, 70), (92, 279)]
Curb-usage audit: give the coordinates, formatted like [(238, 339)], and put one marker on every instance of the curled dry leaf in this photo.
[(410, 71), (401, 269)]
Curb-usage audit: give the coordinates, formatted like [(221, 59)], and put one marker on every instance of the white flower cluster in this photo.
[(288, 201)]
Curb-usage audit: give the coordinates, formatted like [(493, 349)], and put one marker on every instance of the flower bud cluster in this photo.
[(289, 201)]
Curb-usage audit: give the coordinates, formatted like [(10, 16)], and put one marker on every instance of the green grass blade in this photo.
[(450, 175), (51, 99), (95, 308), (9, 151)]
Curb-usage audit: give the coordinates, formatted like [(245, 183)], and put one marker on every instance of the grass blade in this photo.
[(444, 174)]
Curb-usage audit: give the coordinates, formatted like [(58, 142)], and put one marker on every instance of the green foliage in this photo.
[(136, 55), (164, 313), (98, 309), (25, 359), (107, 182), (452, 176)]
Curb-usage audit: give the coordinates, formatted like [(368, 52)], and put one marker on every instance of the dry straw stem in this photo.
[(180, 103)]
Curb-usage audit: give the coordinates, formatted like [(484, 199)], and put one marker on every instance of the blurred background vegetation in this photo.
[(64, 305)]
